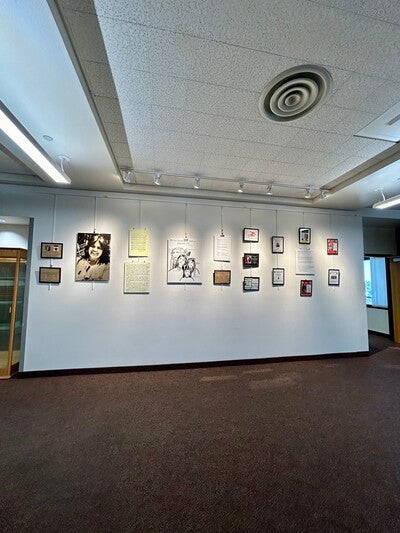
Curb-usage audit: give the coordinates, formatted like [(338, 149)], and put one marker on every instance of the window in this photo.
[(375, 281)]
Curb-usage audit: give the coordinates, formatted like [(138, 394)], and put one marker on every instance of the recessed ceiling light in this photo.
[(48, 138)]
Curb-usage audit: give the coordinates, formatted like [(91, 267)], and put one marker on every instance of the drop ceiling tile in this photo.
[(219, 145), (125, 162), (167, 119), (109, 109), (168, 91), (306, 157), (317, 140), (115, 131), (99, 79), (86, 35), (362, 147), (234, 163), (139, 138), (392, 10), (143, 163), (217, 100), (79, 5), (127, 45), (121, 150), (368, 8), (366, 93), (335, 120), (254, 150), (347, 165), (134, 86)]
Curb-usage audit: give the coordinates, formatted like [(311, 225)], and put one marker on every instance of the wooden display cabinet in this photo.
[(12, 290)]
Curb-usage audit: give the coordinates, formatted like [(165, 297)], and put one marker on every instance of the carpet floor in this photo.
[(311, 445)]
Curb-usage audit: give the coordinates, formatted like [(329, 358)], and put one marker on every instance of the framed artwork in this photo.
[(222, 277), (250, 234), (278, 277), (332, 246), (251, 260), (183, 261), (49, 275), (251, 284), (334, 277), (92, 261), (278, 244), (51, 250), (304, 235), (306, 287)]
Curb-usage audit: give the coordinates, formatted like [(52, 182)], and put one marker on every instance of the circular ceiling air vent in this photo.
[(294, 93)]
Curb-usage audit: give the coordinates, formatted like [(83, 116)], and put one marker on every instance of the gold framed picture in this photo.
[(49, 275), (222, 277)]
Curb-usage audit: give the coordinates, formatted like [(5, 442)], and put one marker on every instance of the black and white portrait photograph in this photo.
[(92, 257)]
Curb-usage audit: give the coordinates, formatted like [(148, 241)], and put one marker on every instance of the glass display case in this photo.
[(12, 289)]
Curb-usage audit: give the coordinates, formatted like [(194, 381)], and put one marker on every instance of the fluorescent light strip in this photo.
[(389, 202), (21, 140)]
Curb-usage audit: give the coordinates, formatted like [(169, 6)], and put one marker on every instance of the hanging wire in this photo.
[(186, 235), (95, 215), (140, 214), (222, 221)]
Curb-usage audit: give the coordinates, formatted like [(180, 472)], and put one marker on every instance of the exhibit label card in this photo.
[(222, 248), (138, 242), (137, 276), (305, 262)]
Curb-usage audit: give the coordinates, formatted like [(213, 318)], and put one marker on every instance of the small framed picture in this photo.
[(49, 275), (278, 277), (304, 235), (51, 250), (333, 277), (222, 277), (251, 284), (332, 246), (278, 244), (250, 234), (251, 260), (306, 287)]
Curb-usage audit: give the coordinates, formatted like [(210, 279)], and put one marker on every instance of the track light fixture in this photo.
[(196, 183), (269, 189), (157, 179), (323, 194), (19, 136), (127, 175), (241, 186), (308, 193)]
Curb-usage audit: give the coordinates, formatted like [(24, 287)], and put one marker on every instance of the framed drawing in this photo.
[(306, 287), (250, 234), (334, 277), (278, 244), (332, 246), (278, 277), (251, 260), (251, 284), (51, 250), (304, 235), (222, 277), (49, 275), (183, 262)]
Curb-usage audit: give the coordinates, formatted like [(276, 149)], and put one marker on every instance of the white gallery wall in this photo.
[(94, 324)]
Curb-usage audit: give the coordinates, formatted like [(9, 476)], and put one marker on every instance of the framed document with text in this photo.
[(277, 244), (278, 277)]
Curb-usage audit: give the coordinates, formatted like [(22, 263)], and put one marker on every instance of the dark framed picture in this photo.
[(278, 244), (334, 277), (332, 246), (278, 277), (222, 277), (251, 284), (251, 260), (49, 275), (250, 234), (304, 235), (306, 287), (51, 250)]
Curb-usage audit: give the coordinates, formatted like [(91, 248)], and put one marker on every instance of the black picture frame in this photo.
[(333, 277), (277, 244), (251, 234), (304, 235), (306, 287), (251, 284), (50, 275), (251, 260), (51, 250), (278, 277)]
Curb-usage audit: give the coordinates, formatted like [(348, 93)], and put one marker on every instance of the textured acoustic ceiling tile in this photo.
[(167, 119), (204, 124), (369, 8), (254, 150), (335, 120), (120, 150), (109, 109), (86, 35), (347, 165), (316, 140), (86, 6), (99, 78), (219, 160), (127, 45), (366, 93), (305, 157), (134, 86), (214, 99), (219, 145), (362, 147), (206, 169), (168, 91), (115, 131), (139, 138)]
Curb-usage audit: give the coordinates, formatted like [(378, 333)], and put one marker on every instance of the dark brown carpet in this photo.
[(292, 446)]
